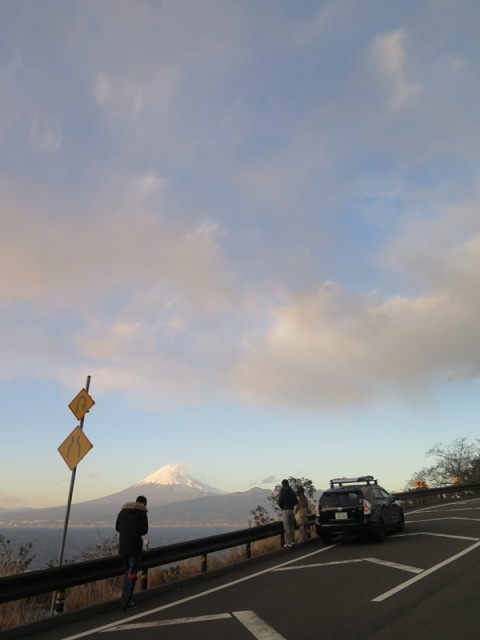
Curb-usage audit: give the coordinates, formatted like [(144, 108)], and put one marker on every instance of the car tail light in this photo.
[(367, 508)]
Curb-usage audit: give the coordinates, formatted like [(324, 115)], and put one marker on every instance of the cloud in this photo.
[(156, 308), (150, 183), (390, 55), (117, 249), (116, 286), (219, 243), (332, 347)]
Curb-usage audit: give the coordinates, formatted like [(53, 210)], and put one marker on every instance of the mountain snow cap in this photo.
[(174, 474)]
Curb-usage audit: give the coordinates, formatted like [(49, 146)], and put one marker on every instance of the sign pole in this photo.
[(59, 596)]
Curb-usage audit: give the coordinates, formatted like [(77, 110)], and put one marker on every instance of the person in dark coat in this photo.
[(131, 524), (287, 501)]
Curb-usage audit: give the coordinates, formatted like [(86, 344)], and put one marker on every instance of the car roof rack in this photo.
[(358, 480)]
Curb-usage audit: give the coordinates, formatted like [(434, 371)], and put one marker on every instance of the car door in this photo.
[(390, 509), (383, 504)]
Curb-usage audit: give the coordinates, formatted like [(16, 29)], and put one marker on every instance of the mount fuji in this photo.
[(173, 475), (173, 498)]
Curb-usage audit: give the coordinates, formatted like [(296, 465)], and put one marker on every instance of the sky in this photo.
[(253, 226)]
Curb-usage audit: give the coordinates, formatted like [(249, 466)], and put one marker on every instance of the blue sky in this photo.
[(255, 225)]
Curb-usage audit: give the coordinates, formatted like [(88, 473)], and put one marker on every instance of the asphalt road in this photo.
[(421, 584)]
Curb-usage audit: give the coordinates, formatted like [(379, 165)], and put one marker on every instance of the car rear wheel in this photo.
[(379, 534), (401, 524), (326, 538)]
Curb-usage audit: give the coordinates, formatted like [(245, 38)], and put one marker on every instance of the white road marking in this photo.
[(165, 623), (319, 564), (448, 535), (385, 563), (436, 520), (425, 573), (437, 535), (444, 518), (257, 627), (394, 565), (434, 507), (456, 509), (105, 627)]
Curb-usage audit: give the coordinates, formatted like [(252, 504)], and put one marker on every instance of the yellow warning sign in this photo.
[(81, 404), (75, 447)]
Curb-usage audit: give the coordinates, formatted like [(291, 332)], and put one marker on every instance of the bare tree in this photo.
[(457, 462)]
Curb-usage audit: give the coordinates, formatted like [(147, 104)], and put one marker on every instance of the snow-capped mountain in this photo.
[(173, 474)]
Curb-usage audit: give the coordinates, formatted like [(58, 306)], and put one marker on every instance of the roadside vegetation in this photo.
[(16, 559)]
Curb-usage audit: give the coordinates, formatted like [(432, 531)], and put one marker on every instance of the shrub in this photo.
[(15, 559)]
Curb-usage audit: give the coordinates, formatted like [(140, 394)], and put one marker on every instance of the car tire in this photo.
[(326, 538), (379, 533), (401, 524)]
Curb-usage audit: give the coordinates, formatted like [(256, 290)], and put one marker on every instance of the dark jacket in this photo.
[(132, 524), (287, 498)]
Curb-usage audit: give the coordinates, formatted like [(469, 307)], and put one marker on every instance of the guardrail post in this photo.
[(204, 563), (59, 602), (249, 550)]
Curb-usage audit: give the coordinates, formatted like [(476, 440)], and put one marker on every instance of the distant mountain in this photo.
[(228, 509), (173, 499)]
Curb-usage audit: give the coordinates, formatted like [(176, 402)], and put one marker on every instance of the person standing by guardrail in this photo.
[(287, 501), (301, 513), (131, 524)]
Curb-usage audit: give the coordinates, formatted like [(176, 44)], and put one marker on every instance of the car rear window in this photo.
[(340, 498)]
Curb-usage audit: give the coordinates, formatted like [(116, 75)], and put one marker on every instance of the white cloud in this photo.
[(390, 55), (118, 249), (149, 184), (332, 347)]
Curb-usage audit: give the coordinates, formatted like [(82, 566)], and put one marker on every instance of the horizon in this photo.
[(135, 488), (255, 226)]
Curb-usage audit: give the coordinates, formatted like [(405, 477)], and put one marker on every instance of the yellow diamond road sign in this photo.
[(75, 447), (81, 404)]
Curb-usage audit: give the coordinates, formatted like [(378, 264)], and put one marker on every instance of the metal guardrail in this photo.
[(435, 491), (34, 583)]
